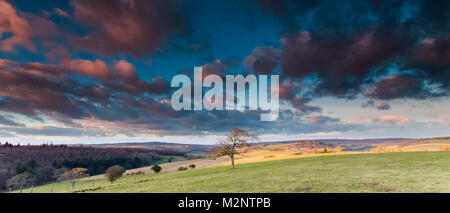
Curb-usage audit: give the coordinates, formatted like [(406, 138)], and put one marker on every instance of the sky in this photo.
[(79, 71)]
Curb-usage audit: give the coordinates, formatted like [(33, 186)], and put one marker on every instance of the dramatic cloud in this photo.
[(136, 27), (11, 22), (301, 104), (399, 86), (347, 50), (35, 89), (337, 17), (215, 68), (95, 68), (341, 64), (288, 90), (432, 59), (263, 60), (126, 71), (8, 122), (91, 76)]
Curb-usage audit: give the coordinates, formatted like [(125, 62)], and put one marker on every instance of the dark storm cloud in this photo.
[(135, 27), (400, 86), (286, 10), (342, 64), (345, 17), (432, 59), (25, 90), (289, 91), (32, 89), (346, 45), (302, 105), (263, 60), (344, 48)]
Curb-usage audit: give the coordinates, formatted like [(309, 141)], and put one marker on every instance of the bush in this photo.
[(156, 168), (182, 168), (192, 166), (22, 180), (135, 173), (58, 173), (114, 172), (73, 174)]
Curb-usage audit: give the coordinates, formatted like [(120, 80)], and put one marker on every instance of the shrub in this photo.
[(22, 180), (74, 175), (182, 168), (156, 168), (192, 166), (114, 172), (135, 173), (57, 173)]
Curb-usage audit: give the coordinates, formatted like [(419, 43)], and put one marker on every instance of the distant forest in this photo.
[(32, 165)]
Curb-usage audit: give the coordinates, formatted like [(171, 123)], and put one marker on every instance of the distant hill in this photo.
[(189, 150), (198, 149), (331, 141), (192, 151)]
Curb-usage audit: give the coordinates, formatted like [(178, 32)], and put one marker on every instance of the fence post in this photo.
[(53, 185), (31, 189), (21, 189)]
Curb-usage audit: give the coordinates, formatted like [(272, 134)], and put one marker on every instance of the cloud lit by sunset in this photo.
[(100, 70)]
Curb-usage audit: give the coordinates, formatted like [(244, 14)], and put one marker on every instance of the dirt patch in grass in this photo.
[(88, 190), (145, 180), (304, 189), (379, 187)]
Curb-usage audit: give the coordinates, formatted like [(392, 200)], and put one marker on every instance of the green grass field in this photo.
[(384, 172)]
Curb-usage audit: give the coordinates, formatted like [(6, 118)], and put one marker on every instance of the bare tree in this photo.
[(232, 144)]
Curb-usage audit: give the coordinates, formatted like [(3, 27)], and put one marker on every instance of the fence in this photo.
[(76, 186)]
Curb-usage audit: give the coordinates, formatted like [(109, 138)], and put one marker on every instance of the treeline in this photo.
[(25, 165)]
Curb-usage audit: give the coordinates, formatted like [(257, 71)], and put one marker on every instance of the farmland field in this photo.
[(375, 172)]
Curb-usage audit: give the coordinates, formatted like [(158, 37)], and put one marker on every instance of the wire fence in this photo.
[(75, 186)]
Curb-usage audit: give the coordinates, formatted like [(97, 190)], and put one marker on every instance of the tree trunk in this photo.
[(232, 161)]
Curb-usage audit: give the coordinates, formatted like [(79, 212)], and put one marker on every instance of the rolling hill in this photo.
[(376, 172)]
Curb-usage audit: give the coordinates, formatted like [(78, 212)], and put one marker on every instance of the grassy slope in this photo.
[(384, 172)]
